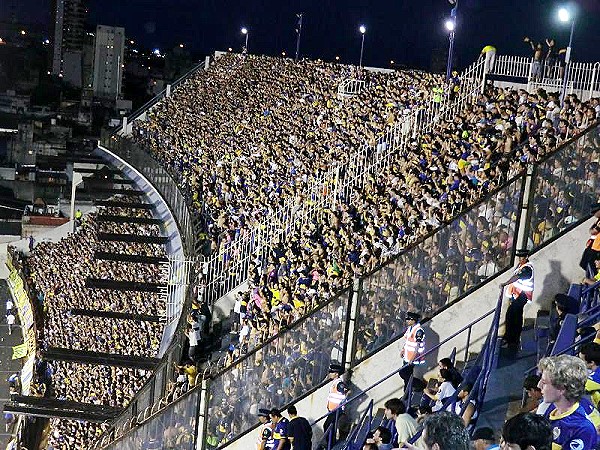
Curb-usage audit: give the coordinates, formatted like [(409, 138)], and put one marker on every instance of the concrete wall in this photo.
[(556, 266)]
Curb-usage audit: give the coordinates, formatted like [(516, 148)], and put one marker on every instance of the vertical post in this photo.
[(524, 213), (247, 42), (299, 35), (206, 63), (75, 181), (124, 128), (563, 91), (202, 416), (362, 47), (351, 322)]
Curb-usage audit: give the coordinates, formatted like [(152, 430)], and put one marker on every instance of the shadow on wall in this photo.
[(555, 282)]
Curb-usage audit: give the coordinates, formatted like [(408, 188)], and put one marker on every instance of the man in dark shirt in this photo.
[(299, 431)]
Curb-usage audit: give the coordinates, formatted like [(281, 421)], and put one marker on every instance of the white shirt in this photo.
[(9, 305), (10, 319), (445, 391)]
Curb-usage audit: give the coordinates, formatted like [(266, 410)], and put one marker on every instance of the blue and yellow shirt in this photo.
[(281, 432), (572, 430), (592, 385)]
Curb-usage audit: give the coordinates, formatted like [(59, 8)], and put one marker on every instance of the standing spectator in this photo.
[(489, 53), (9, 305), (299, 431), (551, 58), (402, 425), (528, 431), (10, 320), (280, 431), (563, 384), (414, 346), (538, 55), (31, 243), (519, 293), (484, 438), (443, 431)]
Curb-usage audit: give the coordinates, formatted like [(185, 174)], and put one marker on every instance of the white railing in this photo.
[(350, 87), (175, 276), (228, 268), (582, 78)]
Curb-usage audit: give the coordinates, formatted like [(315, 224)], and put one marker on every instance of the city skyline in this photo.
[(406, 32)]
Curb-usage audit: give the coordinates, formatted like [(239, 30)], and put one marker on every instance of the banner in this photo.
[(20, 351)]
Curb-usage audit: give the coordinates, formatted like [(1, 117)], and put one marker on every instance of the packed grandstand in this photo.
[(246, 136)]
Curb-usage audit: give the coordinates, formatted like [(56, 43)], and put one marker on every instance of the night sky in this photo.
[(406, 31)]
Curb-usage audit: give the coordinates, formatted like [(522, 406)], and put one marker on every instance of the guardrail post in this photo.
[(202, 416), (351, 321), (526, 206)]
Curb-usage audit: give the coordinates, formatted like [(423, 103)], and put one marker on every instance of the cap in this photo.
[(263, 412), (563, 300), (522, 253), (335, 368), (413, 316), (485, 433)]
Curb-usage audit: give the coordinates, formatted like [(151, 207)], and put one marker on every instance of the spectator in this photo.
[(443, 392), (299, 431), (401, 424), (484, 438), (465, 407), (10, 320), (443, 431), (528, 431), (382, 438), (537, 59), (455, 376), (280, 431), (563, 384), (590, 354), (592, 246), (534, 401)]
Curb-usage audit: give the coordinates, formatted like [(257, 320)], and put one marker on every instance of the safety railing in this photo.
[(582, 78), (486, 359), (565, 185), (350, 87), (228, 268)]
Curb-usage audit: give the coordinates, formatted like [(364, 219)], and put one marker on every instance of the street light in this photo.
[(244, 31), (362, 30), (564, 15), (451, 27), (75, 181)]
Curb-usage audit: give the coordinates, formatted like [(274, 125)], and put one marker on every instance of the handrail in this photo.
[(431, 350), (590, 288), (571, 347)]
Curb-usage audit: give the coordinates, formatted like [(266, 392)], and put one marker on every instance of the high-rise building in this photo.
[(69, 18), (109, 49)]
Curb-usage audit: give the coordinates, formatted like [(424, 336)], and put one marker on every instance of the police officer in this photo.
[(338, 393), (414, 346), (519, 291), (265, 431)]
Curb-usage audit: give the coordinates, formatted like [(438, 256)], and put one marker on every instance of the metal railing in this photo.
[(228, 267), (350, 87), (582, 78)]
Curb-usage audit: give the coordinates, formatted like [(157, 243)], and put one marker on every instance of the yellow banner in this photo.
[(19, 351)]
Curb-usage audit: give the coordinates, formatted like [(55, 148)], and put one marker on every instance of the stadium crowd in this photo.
[(268, 114), (58, 273), (233, 151)]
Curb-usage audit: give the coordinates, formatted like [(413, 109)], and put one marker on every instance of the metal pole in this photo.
[(76, 181), (450, 55), (563, 92), (362, 47), (247, 34), (299, 32)]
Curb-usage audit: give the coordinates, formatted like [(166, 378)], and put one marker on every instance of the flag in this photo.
[(19, 351)]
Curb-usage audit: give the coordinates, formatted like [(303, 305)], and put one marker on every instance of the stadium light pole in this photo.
[(362, 30), (299, 34), (244, 31), (564, 15), (451, 27)]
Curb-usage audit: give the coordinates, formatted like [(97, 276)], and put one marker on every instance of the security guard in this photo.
[(519, 290), (414, 346), (338, 393), (265, 431)]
